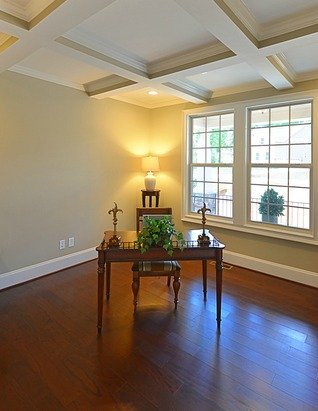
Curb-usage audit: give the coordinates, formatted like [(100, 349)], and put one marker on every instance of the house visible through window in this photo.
[(281, 164), (211, 163)]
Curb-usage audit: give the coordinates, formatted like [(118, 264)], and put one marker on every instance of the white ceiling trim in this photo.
[(187, 57), (106, 84), (197, 94), (120, 67), (256, 85), (151, 104), (245, 16), (65, 27), (47, 77), (4, 37), (283, 26), (14, 8), (96, 44), (184, 92), (12, 25)]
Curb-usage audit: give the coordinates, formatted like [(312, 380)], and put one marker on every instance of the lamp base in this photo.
[(150, 181)]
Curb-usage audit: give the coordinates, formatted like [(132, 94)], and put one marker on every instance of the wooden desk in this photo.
[(128, 252)]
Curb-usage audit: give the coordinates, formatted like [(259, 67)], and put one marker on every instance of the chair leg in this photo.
[(176, 287), (168, 280), (135, 287)]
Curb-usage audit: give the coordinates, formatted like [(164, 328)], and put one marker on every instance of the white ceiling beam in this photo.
[(119, 67), (130, 75), (54, 25), (188, 91), (106, 84), (219, 20)]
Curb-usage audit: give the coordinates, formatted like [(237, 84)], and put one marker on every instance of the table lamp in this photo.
[(150, 164)]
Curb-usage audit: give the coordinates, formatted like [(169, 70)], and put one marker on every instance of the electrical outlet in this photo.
[(62, 244), (71, 241)]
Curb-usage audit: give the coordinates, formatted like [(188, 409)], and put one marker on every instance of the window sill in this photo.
[(253, 229)]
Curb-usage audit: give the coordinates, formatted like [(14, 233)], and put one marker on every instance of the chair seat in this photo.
[(156, 267)]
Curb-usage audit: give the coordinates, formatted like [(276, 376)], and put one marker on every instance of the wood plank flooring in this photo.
[(266, 357)]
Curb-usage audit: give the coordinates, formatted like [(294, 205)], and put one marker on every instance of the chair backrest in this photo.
[(147, 211)]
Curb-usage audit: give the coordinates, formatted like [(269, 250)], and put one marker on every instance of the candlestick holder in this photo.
[(203, 239), (114, 240)]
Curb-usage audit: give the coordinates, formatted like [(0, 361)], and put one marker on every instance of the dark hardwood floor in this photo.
[(266, 357)]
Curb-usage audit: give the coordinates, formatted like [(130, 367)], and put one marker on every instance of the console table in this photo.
[(127, 251), (150, 194)]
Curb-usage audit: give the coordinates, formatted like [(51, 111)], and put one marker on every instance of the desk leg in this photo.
[(100, 291), (107, 280), (204, 277), (218, 279)]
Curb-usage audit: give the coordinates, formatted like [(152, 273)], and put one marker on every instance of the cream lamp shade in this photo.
[(150, 164)]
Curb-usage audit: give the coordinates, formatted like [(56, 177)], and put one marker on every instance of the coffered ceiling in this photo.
[(185, 50)]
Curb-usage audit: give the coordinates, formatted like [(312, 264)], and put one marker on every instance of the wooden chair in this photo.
[(167, 268)]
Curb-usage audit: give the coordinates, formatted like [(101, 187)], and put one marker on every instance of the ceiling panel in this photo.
[(123, 48), (142, 98), (146, 29), (236, 75), (271, 10), (59, 65), (303, 59)]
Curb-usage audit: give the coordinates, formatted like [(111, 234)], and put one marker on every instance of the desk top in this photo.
[(128, 238)]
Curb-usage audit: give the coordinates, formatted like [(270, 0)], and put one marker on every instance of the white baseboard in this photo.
[(268, 267), (47, 267)]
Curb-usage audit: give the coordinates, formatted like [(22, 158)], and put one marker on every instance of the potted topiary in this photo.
[(271, 206), (159, 233)]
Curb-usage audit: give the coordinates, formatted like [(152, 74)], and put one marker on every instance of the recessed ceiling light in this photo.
[(205, 72), (152, 92)]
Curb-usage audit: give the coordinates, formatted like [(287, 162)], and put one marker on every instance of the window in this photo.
[(254, 165), (211, 163), (281, 164)]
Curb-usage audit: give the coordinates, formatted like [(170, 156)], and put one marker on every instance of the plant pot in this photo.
[(269, 218)]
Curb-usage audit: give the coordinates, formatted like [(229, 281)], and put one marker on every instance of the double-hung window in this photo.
[(281, 164), (211, 152), (253, 165)]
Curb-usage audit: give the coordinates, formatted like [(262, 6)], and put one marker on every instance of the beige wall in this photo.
[(65, 158), (166, 127)]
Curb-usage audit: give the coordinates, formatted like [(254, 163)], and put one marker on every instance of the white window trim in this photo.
[(240, 221)]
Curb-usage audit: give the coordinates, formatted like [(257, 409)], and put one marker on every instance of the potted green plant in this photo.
[(159, 233), (271, 206)]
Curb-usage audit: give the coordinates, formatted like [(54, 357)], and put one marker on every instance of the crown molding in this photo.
[(189, 91), (44, 76), (106, 84), (28, 12), (93, 42), (149, 105), (283, 26), (249, 87), (281, 63), (6, 43), (310, 75), (275, 28), (4, 37), (13, 20), (245, 16), (192, 88), (182, 59)]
